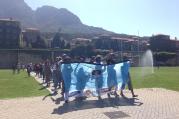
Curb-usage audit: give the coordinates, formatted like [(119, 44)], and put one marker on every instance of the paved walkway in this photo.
[(152, 103)]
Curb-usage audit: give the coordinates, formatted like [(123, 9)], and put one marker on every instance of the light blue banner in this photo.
[(91, 79)]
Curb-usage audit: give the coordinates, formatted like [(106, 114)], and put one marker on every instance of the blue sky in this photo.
[(123, 16)]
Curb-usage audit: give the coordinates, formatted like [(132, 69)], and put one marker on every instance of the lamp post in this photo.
[(139, 47), (18, 56), (52, 56), (121, 50)]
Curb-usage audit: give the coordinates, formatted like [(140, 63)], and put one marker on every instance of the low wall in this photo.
[(8, 59)]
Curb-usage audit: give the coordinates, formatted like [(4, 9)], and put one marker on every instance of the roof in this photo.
[(31, 29), (9, 20), (124, 39), (175, 41), (81, 39), (160, 34)]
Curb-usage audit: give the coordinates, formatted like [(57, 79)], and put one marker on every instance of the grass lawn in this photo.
[(164, 77), (19, 85)]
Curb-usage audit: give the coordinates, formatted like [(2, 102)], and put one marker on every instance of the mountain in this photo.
[(46, 18), (53, 18), (19, 10)]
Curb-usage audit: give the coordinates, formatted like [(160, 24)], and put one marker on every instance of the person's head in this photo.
[(125, 57), (82, 59), (111, 51), (64, 56), (47, 62), (58, 58), (93, 58), (67, 59), (98, 58), (110, 56)]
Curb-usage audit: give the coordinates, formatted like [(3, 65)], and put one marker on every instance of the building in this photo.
[(120, 43), (32, 38), (10, 34), (161, 42), (80, 42), (175, 44)]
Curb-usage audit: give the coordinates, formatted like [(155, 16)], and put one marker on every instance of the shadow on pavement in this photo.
[(43, 87), (53, 94), (89, 104), (49, 95)]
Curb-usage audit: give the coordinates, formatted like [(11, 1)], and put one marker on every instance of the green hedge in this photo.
[(164, 56)]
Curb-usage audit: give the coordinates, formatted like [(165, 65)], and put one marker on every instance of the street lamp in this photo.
[(139, 49), (121, 50)]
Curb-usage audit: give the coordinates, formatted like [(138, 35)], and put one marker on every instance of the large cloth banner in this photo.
[(93, 79)]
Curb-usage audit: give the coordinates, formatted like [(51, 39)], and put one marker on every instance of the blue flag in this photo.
[(92, 79)]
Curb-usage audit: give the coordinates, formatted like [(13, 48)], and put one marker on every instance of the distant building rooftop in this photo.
[(9, 20), (81, 39), (124, 39), (31, 29), (160, 34)]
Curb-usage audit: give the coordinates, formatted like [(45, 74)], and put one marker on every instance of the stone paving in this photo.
[(153, 103)]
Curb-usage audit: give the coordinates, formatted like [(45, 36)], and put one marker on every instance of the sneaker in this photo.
[(122, 95), (56, 92), (66, 101), (115, 93), (99, 98), (84, 98), (134, 95), (53, 90), (108, 95), (59, 87)]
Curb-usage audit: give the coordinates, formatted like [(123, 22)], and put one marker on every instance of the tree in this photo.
[(164, 56), (56, 41), (68, 46), (62, 44), (82, 50), (40, 43)]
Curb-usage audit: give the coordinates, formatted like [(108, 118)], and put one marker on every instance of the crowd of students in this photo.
[(50, 71)]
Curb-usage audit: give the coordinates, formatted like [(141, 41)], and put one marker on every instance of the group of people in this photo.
[(99, 60), (50, 71), (17, 67)]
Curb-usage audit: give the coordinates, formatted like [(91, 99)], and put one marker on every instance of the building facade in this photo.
[(10, 34), (161, 42), (80, 42), (30, 36)]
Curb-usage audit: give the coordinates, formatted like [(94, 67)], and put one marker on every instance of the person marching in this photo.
[(56, 74), (98, 76), (47, 73), (67, 69), (112, 81), (129, 82)]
